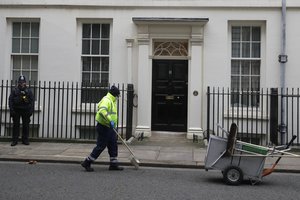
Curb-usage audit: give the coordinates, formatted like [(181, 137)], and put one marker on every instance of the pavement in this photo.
[(170, 150)]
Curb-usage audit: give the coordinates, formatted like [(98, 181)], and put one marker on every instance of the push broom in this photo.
[(134, 161), (268, 171)]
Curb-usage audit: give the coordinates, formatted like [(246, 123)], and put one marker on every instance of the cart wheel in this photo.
[(233, 175)]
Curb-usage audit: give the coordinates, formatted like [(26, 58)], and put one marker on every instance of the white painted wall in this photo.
[(60, 51), (60, 39)]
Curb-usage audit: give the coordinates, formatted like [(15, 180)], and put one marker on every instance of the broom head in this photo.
[(135, 162)]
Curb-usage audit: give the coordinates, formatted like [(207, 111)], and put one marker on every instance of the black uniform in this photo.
[(21, 105)]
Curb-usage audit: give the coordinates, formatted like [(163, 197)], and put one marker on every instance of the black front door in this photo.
[(169, 95)]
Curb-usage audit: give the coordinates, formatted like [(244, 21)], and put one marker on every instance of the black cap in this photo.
[(22, 79), (114, 91)]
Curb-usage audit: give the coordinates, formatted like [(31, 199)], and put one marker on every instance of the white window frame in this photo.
[(261, 59), (30, 70), (99, 55), (80, 23)]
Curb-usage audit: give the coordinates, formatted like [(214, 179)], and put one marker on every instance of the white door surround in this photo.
[(151, 29)]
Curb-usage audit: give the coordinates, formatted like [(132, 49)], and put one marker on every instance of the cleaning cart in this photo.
[(238, 160)]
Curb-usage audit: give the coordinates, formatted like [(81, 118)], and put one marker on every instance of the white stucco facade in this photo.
[(204, 24)]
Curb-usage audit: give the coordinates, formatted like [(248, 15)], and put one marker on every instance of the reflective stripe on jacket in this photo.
[(107, 110)]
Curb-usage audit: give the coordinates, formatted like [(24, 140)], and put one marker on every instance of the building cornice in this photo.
[(151, 3)]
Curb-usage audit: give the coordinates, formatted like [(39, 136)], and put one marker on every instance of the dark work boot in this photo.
[(116, 168), (13, 143), (87, 165), (25, 142)]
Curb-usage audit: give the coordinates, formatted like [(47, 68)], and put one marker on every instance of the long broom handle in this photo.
[(288, 145), (123, 141), (270, 170)]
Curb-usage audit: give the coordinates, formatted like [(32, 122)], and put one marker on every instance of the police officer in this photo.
[(21, 104), (106, 118)]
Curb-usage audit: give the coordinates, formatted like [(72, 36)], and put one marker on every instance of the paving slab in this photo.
[(163, 150)]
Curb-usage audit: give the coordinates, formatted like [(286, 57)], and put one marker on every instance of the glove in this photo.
[(112, 124)]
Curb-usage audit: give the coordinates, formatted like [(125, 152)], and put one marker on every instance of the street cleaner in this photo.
[(107, 119)]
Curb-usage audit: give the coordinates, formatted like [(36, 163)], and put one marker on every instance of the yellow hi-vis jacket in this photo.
[(107, 110)]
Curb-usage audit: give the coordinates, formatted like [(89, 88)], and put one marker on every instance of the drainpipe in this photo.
[(283, 59)]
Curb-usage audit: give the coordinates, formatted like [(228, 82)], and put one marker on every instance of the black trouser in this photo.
[(16, 127), (106, 138)]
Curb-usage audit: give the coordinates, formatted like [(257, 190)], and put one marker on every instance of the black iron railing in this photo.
[(258, 114), (65, 110)]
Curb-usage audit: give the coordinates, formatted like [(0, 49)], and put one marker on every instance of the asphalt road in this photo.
[(68, 181)]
